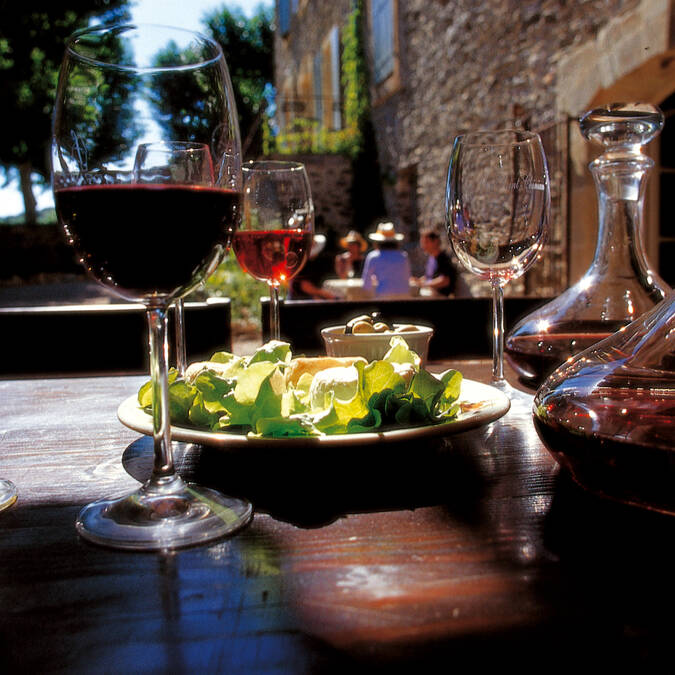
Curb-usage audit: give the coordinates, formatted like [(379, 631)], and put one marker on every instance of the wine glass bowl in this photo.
[(275, 234), (142, 116), (497, 202), (177, 163)]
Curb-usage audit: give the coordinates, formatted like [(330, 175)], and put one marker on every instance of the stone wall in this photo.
[(468, 65), (465, 65), (330, 179)]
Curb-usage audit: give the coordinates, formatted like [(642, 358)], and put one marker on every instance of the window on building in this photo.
[(382, 25), (318, 92), (284, 16), (286, 102), (304, 107), (326, 82), (335, 77)]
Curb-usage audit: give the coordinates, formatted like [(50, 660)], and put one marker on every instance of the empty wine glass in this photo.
[(275, 234), (497, 202), (177, 163), (146, 235), (7, 493)]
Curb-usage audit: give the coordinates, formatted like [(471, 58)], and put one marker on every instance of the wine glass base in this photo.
[(8, 494), (152, 521), (519, 399)]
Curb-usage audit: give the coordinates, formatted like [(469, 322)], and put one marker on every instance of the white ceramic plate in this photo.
[(481, 404)]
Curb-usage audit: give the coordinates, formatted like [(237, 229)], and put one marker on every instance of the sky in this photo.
[(183, 13)]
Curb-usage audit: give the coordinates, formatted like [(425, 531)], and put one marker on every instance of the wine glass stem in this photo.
[(497, 332), (163, 472), (181, 353), (274, 312)]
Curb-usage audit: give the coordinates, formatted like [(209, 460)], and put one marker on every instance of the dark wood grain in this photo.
[(470, 550)]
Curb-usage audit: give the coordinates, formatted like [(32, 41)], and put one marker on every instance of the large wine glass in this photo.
[(497, 203), (146, 236), (275, 234)]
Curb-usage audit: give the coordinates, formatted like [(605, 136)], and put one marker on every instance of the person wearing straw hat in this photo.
[(350, 263), (386, 270)]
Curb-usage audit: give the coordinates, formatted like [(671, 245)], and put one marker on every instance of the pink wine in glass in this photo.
[(274, 256), (143, 239)]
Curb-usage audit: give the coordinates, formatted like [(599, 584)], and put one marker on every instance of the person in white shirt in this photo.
[(386, 270)]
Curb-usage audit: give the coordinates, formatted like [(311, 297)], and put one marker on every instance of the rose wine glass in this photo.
[(276, 230), (145, 235), (497, 203), (176, 163)]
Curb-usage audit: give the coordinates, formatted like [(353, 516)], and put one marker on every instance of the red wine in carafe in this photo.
[(534, 357), (619, 443)]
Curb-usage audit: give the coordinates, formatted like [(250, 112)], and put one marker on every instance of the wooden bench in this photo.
[(462, 326), (101, 338)]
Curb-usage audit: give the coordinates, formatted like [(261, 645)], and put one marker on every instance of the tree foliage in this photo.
[(32, 40), (248, 45)]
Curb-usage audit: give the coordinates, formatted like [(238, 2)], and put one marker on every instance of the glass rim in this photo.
[(72, 51), (518, 136), (272, 165)]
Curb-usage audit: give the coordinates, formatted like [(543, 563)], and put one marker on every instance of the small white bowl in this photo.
[(373, 346)]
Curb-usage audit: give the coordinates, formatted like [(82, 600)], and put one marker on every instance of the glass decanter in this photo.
[(619, 285), (608, 414)]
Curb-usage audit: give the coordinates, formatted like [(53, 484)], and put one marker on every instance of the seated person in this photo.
[(306, 285), (349, 265), (386, 270), (439, 274)]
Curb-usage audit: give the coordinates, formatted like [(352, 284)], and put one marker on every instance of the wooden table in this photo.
[(469, 551)]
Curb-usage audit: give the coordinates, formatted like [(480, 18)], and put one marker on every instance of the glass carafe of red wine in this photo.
[(608, 414), (619, 286)]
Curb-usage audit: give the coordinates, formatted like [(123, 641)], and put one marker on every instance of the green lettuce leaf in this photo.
[(274, 351), (399, 352), (282, 427)]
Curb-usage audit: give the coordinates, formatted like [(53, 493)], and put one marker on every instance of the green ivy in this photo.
[(308, 136)]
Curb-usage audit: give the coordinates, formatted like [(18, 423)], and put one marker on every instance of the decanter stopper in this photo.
[(622, 126)]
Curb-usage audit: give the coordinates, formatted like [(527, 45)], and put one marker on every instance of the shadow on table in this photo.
[(311, 487), (619, 559)]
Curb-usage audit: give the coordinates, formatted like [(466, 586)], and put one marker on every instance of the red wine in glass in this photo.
[(134, 254)]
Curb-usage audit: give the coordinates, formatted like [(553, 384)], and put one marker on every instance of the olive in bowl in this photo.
[(371, 339)]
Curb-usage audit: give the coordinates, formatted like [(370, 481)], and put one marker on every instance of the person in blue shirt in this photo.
[(386, 270)]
